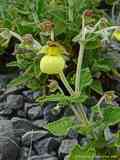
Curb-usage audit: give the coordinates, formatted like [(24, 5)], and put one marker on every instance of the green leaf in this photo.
[(111, 115), (40, 7), (97, 87), (104, 65), (33, 84), (21, 80), (61, 126), (86, 78), (62, 99), (84, 129), (79, 153), (12, 64)]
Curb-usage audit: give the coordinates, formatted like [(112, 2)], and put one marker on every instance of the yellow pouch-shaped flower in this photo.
[(116, 35), (52, 64), (53, 49)]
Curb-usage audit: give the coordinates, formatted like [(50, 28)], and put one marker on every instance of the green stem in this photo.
[(98, 105), (80, 58), (83, 114), (52, 35), (65, 82), (79, 66), (70, 10)]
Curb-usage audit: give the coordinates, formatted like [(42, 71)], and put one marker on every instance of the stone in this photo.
[(2, 106), (33, 136), (25, 153), (72, 134), (41, 123), (34, 113), (21, 114), (21, 125), (66, 146), (6, 112), (50, 113), (46, 145), (6, 128), (15, 101), (9, 149), (44, 157)]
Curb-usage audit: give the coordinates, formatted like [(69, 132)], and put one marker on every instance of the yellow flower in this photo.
[(116, 35), (52, 64), (53, 49)]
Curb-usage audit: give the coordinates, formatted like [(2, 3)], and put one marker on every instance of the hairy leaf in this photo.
[(61, 126), (62, 99), (86, 78), (79, 153)]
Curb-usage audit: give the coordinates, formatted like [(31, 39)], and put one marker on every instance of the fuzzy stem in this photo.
[(78, 71), (83, 114), (65, 82), (70, 10), (52, 35), (80, 58)]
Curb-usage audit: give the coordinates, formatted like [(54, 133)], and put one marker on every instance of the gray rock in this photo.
[(3, 118), (28, 106), (33, 136), (21, 114), (6, 128), (6, 112), (43, 157), (41, 123), (21, 126), (66, 157), (47, 145), (25, 153), (12, 90), (2, 106), (8, 147), (34, 112), (66, 146), (15, 101)]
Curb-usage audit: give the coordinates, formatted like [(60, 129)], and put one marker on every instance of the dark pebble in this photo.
[(66, 146), (15, 101), (44, 157), (47, 145), (33, 136), (21, 125)]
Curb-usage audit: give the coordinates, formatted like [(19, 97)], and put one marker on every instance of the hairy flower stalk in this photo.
[(79, 66), (80, 58)]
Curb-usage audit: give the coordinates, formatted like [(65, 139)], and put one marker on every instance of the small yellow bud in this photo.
[(116, 35), (52, 64)]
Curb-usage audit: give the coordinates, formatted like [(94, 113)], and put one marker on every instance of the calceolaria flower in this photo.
[(116, 35), (53, 62), (53, 49)]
